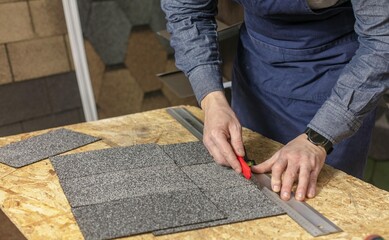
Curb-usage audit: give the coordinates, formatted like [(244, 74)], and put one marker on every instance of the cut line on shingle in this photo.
[(146, 213), (190, 153), (109, 160), (211, 176), (112, 186), (131, 190), (240, 203), (34, 149)]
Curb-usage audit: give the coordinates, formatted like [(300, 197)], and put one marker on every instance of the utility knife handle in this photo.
[(246, 171)]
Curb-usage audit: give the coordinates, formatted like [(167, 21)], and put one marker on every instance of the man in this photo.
[(308, 73)]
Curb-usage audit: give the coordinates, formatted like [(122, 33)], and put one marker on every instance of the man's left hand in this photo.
[(299, 160)]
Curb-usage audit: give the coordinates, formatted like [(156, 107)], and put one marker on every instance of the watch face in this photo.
[(317, 138)]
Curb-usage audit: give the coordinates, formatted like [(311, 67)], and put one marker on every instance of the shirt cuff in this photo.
[(334, 122), (204, 80)]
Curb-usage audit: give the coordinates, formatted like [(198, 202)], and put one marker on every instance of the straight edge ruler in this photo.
[(302, 213)]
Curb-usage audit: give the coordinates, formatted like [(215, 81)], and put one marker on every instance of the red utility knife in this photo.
[(246, 171)]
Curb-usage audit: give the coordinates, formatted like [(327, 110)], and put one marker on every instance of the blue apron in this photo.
[(289, 58)]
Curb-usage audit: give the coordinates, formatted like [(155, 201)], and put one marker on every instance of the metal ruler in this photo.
[(306, 216)]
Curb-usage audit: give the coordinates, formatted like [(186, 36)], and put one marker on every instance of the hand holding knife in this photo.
[(246, 171), (245, 164)]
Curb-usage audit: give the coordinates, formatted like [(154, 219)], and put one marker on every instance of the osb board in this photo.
[(34, 201)]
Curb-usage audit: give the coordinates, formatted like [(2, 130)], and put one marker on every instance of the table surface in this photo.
[(34, 201)]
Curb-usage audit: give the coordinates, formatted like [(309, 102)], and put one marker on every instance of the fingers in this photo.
[(265, 166), (216, 154), (289, 177), (222, 151), (222, 131), (274, 165), (229, 154), (311, 190), (236, 139), (299, 162), (278, 169), (306, 187), (303, 182)]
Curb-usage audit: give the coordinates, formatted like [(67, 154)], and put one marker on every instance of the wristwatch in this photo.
[(317, 139)]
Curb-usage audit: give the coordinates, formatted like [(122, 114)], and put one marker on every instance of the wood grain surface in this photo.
[(34, 201)]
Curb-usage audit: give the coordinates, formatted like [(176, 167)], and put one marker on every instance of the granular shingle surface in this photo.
[(212, 175), (189, 153), (113, 186), (147, 188), (239, 203), (25, 152), (109, 160), (145, 213)]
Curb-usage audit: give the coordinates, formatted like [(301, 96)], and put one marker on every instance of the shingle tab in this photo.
[(109, 160), (108, 30), (158, 18), (239, 203), (22, 153), (145, 214), (189, 153), (210, 176), (138, 12), (113, 186), (84, 7), (147, 188)]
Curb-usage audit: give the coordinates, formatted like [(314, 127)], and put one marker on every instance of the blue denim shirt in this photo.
[(358, 89)]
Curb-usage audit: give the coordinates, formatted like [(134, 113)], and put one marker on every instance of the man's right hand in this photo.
[(222, 131)]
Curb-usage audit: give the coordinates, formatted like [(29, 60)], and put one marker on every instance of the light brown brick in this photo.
[(15, 22), (48, 17), (5, 72), (145, 58), (96, 68), (120, 94), (38, 58)]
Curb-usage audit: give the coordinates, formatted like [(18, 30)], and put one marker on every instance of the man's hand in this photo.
[(299, 160), (222, 131)]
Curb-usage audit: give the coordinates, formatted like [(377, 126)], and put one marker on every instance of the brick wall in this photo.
[(38, 87)]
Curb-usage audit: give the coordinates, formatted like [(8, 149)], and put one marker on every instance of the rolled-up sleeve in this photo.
[(192, 26), (364, 80)]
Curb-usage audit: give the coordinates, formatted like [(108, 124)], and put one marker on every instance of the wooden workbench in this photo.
[(34, 201)]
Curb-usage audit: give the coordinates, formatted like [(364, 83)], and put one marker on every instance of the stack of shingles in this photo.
[(147, 188)]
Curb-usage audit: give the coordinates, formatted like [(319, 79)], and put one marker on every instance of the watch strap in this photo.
[(319, 140)]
